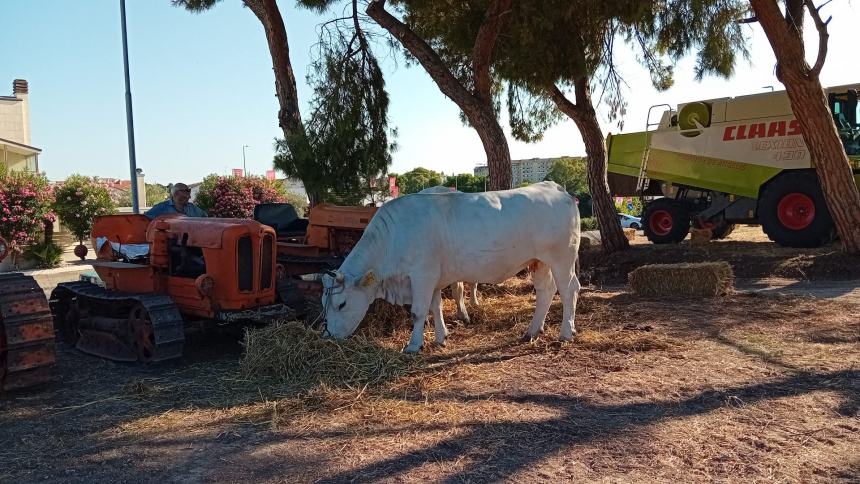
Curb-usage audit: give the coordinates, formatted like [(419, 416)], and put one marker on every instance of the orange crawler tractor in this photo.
[(26, 331), (160, 275)]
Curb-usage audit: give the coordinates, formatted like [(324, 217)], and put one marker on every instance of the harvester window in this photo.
[(245, 261), (266, 262)]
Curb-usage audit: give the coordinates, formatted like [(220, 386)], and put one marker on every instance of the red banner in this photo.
[(237, 172), (270, 174)]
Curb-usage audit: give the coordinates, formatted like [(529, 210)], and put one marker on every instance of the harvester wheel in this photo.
[(722, 230), (719, 230), (665, 221), (793, 213)]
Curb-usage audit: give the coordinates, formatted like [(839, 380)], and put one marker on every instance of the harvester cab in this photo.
[(161, 274)]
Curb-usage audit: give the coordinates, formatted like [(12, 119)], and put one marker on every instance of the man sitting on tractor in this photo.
[(177, 203)]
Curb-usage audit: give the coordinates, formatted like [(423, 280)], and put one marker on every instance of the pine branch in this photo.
[(823, 36), (485, 43)]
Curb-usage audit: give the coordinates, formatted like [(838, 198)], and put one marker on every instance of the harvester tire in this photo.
[(793, 213), (722, 230), (719, 230), (665, 221)]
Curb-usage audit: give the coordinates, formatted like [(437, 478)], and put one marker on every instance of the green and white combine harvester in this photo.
[(734, 160)]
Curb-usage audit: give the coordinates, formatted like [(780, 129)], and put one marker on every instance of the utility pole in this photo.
[(132, 159), (244, 165)]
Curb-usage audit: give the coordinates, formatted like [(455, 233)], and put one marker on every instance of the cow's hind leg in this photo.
[(474, 299), (421, 298), (440, 330), (460, 299), (544, 290), (568, 289)]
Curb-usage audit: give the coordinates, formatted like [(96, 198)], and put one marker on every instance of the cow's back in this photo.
[(482, 237)]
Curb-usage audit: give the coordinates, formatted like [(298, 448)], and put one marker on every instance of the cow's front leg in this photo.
[(440, 330), (420, 307)]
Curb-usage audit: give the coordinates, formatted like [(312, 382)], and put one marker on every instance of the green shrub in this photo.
[(236, 197), (46, 254), (622, 207), (588, 223), (78, 202), (25, 206)]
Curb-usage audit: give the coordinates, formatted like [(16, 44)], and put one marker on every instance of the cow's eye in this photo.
[(341, 305)]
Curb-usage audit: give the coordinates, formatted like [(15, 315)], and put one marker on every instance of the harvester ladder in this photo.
[(643, 181)]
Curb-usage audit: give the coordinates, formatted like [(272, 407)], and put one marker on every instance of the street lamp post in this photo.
[(132, 160), (244, 165)]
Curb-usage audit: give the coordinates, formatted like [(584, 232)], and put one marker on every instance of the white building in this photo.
[(524, 171), (16, 152)]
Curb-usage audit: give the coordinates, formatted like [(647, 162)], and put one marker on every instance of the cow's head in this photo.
[(345, 301)]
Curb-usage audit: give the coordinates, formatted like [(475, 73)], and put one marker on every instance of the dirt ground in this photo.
[(755, 386)]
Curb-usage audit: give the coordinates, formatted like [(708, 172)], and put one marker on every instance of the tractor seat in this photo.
[(283, 218)]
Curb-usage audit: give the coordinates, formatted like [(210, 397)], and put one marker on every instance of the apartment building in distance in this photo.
[(16, 151), (523, 171)]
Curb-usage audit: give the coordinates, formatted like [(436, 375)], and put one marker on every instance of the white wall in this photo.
[(12, 118)]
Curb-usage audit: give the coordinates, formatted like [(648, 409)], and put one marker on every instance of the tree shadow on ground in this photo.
[(581, 422)]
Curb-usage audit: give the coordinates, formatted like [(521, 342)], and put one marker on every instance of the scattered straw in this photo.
[(623, 341), (705, 279), (300, 357)]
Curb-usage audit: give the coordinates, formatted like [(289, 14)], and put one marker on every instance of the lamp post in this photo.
[(244, 165), (132, 160)]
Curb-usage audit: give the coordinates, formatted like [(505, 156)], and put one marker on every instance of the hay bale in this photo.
[(293, 354), (589, 240), (699, 237), (704, 279), (630, 234)]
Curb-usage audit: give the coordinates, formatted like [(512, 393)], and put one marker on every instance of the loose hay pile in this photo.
[(299, 357), (705, 279)]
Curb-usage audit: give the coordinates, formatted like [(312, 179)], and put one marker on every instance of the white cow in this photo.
[(417, 244), (457, 288)]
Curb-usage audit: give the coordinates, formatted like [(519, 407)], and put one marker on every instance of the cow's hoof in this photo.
[(440, 343), (566, 338), (528, 338), (412, 350)]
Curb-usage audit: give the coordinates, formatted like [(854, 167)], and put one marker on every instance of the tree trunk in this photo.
[(289, 114), (496, 147), (583, 114), (477, 106), (810, 107)]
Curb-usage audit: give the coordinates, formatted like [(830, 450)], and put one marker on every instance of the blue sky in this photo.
[(203, 87)]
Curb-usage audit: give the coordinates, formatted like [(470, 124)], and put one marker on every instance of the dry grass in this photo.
[(740, 388), (300, 357), (704, 279)]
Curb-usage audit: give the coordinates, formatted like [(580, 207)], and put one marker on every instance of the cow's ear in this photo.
[(367, 280)]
